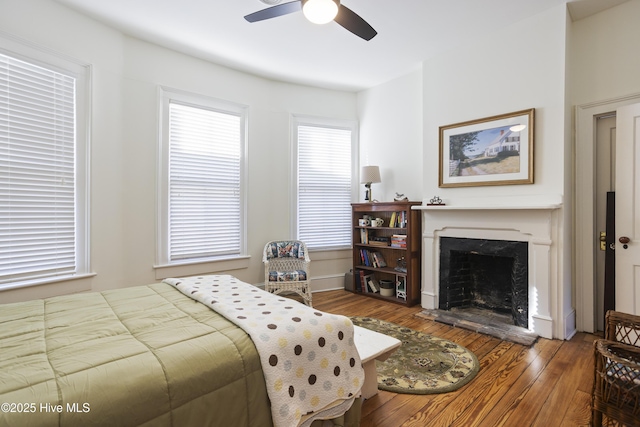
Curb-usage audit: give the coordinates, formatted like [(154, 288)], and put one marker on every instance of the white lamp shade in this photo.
[(369, 174), (320, 11)]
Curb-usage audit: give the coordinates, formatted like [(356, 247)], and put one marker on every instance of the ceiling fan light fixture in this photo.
[(320, 11)]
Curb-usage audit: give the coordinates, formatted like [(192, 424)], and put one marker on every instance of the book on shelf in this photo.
[(364, 258), (364, 236), (399, 241), (403, 220), (363, 282), (372, 283), (379, 260), (398, 220), (372, 259), (392, 221), (379, 241)]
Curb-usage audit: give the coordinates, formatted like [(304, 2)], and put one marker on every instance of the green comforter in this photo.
[(146, 356), (138, 356)]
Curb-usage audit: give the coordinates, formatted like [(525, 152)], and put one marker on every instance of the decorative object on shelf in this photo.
[(369, 175), (436, 201), (386, 288), (401, 265), (401, 288), (400, 197), (378, 222), (495, 150)]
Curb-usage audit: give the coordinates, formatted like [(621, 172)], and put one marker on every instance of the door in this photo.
[(605, 183), (628, 210)]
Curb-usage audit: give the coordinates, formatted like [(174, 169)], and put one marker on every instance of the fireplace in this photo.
[(486, 274), (532, 222)]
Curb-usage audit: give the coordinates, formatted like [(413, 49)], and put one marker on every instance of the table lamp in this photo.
[(369, 175)]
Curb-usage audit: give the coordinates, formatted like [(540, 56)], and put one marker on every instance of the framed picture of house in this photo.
[(495, 150)]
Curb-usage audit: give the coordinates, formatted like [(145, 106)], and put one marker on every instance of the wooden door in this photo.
[(628, 210)]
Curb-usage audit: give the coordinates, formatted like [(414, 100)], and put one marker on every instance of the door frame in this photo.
[(584, 213)]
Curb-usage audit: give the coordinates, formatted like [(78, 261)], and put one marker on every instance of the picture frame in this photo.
[(495, 150)]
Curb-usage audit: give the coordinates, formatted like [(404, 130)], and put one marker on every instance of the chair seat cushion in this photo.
[(287, 276)]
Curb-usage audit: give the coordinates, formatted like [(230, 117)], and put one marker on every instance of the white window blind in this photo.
[(37, 172), (324, 186), (204, 182)]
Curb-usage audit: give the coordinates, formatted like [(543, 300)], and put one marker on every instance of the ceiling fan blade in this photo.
[(354, 23), (275, 11)]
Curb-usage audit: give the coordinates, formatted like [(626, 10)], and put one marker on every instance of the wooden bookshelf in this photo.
[(378, 249)]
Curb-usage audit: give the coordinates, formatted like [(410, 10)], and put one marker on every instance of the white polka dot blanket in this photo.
[(310, 362)]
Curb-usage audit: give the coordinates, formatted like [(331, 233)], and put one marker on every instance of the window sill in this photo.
[(51, 281), (201, 267)]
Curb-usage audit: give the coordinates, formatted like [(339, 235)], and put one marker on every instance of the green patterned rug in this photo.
[(423, 364)]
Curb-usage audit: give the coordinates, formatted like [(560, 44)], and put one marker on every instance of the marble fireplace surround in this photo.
[(526, 219)]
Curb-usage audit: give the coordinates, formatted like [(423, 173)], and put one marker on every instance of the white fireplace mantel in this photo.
[(529, 219), (544, 202)]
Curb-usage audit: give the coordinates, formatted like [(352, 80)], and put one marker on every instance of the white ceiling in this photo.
[(292, 49)]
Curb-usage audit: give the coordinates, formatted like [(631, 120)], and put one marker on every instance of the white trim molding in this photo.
[(585, 240)]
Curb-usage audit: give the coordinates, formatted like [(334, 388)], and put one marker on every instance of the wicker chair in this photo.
[(616, 387), (286, 268)]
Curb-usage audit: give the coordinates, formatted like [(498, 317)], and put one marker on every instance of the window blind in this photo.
[(324, 186), (204, 183), (37, 172)]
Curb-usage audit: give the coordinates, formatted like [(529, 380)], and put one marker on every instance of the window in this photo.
[(202, 208), (324, 176), (43, 225)]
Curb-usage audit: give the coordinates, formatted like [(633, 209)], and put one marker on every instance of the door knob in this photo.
[(624, 240)]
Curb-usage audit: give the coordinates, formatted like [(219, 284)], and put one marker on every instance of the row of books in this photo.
[(368, 238), (398, 220), (399, 241), (368, 283), (372, 259)]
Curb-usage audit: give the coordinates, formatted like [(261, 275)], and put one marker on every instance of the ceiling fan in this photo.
[(319, 12)]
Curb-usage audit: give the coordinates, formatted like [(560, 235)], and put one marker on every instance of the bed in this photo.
[(140, 356)]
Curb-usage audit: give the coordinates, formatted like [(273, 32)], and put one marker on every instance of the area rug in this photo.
[(423, 364)]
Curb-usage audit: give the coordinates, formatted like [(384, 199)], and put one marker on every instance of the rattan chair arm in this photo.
[(629, 322), (604, 347)]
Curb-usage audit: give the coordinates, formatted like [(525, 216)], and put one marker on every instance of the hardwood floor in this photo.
[(548, 384)]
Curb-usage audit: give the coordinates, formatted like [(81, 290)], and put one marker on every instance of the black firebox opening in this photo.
[(488, 274)]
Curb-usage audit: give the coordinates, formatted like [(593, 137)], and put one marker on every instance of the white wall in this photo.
[(604, 54), (391, 136), (520, 66), (126, 75)]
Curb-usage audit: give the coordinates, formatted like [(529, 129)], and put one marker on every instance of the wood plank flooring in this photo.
[(548, 384)]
